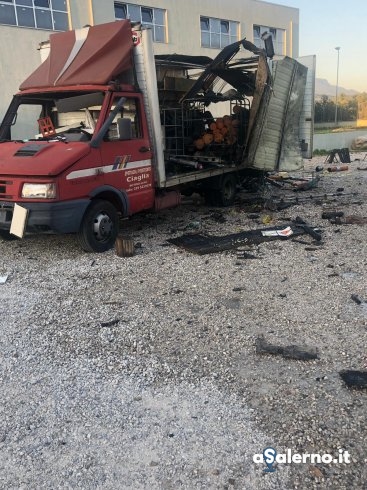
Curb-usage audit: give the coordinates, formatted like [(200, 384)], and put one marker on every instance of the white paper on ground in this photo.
[(285, 232), (19, 221)]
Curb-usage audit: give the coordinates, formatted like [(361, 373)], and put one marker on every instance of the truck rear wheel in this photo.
[(99, 227), (225, 194)]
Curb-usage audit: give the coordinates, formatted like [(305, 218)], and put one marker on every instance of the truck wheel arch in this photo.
[(116, 197)]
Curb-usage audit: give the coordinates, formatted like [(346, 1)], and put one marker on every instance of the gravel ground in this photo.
[(142, 372)]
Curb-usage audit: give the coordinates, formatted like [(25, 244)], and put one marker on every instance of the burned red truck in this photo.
[(104, 129)]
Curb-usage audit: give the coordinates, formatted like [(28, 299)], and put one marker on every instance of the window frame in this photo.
[(158, 29), (213, 36), (278, 34), (29, 7)]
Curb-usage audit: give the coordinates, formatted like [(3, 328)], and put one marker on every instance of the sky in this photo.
[(326, 24)]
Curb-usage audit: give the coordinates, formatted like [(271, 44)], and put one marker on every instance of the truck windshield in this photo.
[(65, 116)]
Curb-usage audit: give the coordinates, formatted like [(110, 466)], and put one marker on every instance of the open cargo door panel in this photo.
[(274, 142), (308, 111)]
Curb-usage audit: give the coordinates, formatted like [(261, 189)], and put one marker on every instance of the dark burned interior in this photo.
[(199, 128)]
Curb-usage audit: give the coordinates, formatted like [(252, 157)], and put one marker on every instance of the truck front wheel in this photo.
[(99, 227)]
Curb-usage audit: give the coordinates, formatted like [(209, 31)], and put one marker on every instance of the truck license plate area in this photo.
[(5, 216)]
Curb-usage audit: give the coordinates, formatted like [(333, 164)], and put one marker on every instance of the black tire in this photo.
[(225, 194), (99, 227)]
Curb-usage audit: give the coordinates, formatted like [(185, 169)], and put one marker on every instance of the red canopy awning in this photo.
[(92, 55)]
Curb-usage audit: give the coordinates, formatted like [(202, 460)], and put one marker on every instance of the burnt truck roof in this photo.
[(240, 73), (88, 56)]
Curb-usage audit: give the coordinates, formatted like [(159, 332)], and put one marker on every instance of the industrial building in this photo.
[(192, 27)]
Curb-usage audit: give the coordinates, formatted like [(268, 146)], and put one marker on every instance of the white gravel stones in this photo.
[(142, 372)]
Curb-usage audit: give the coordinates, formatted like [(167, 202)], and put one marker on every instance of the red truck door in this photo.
[(127, 156)]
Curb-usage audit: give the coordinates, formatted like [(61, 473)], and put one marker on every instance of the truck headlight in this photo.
[(39, 191)]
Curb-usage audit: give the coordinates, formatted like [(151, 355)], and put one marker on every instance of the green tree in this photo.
[(348, 108), (362, 105)]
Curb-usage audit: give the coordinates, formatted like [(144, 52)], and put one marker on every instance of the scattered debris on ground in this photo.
[(206, 244), (332, 214), (341, 155), (124, 247), (338, 168), (354, 378), (350, 220), (151, 360), (357, 299), (300, 353)]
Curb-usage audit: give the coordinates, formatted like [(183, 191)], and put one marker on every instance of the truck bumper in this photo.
[(58, 217)]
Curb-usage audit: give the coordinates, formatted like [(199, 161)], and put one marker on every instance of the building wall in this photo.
[(341, 139), (19, 54), (183, 22)]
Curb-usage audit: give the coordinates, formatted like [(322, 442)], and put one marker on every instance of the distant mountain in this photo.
[(323, 87)]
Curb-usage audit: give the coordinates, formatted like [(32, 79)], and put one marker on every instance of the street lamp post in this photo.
[(337, 87)]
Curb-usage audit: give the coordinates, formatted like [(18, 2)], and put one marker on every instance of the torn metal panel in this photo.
[(259, 103), (236, 77), (290, 154), (182, 61), (274, 142), (220, 63), (205, 244)]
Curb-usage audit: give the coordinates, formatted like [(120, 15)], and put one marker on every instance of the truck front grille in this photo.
[(3, 189)]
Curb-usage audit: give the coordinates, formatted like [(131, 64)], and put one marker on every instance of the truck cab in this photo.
[(90, 162), (75, 149)]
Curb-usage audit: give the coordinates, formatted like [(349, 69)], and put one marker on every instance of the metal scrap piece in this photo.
[(204, 244), (353, 378), (300, 353)]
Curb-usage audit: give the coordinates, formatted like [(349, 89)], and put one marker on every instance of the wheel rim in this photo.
[(102, 227)]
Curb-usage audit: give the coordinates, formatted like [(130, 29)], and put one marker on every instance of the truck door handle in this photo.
[(144, 149)]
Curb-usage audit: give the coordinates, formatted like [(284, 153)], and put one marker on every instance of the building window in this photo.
[(217, 33), (278, 36), (149, 17), (37, 14)]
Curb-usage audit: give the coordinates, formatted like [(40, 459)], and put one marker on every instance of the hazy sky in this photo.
[(325, 24)]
